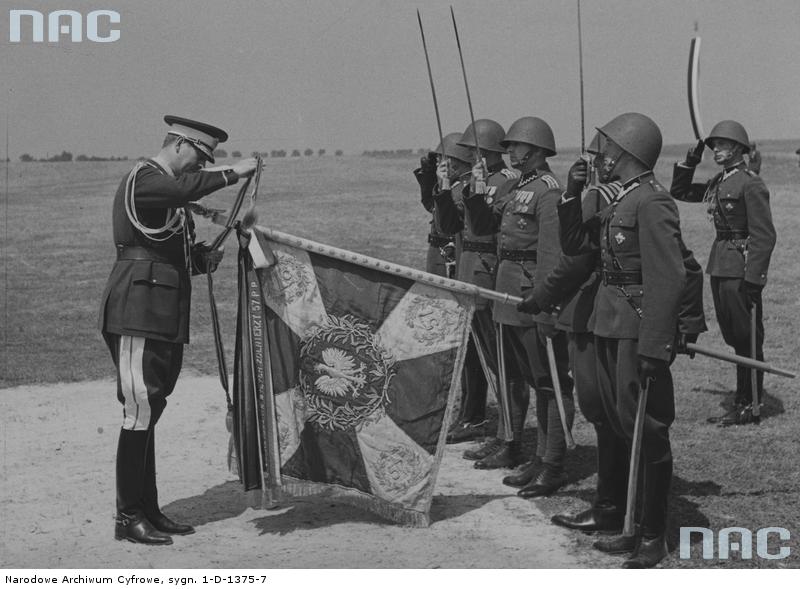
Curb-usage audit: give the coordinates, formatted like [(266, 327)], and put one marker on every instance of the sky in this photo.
[(351, 74)]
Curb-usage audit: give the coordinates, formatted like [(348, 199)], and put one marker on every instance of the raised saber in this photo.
[(694, 90), (580, 75), (466, 87), (629, 528), (433, 88), (562, 414)]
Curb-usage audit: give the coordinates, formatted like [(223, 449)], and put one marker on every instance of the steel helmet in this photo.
[(490, 134), (533, 131), (730, 130), (453, 149), (637, 134)]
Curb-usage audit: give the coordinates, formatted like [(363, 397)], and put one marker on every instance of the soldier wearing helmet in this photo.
[(737, 201), (442, 172), (440, 259), (477, 264), (636, 311), (524, 218)]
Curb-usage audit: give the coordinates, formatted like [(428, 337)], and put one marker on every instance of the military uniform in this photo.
[(145, 308), (440, 258), (524, 215), (477, 263), (144, 315), (636, 313), (738, 202)]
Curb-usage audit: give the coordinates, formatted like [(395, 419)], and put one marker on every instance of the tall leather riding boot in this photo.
[(607, 514), (613, 459), (150, 495), (131, 523), (652, 547), (556, 440), (131, 458)]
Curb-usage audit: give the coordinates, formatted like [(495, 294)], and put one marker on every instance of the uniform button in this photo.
[(668, 347)]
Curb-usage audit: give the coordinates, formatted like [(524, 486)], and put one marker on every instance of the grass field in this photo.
[(57, 250)]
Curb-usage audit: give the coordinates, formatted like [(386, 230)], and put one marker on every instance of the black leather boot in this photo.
[(594, 519), (134, 527), (550, 480), (486, 449), (652, 548), (508, 455), (466, 431), (152, 511), (524, 475), (130, 469)]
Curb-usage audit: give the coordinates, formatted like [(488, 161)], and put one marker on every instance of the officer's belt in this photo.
[(622, 278), (725, 234), (485, 247), (518, 255), (136, 252), (438, 241)]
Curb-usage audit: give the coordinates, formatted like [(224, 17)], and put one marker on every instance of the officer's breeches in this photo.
[(147, 371), (619, 387), (582, 360), (733, 315)]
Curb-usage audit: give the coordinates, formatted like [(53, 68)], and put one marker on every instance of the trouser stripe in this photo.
[(136, 406)]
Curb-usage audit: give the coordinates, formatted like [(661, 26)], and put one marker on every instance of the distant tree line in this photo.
[(394, 152), (66, 156)]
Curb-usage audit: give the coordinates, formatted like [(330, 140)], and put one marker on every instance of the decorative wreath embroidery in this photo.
[(431, 319), (344, 374), (399, 468), (288, 280)]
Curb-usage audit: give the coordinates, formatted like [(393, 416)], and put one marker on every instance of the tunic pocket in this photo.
[(154, 299)]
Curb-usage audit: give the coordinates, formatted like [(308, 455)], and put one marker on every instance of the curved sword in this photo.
[(693, 79)]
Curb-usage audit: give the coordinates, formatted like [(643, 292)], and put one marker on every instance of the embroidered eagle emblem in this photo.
[(340, 374)]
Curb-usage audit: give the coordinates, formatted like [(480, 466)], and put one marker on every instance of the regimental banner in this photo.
[(346, 372)]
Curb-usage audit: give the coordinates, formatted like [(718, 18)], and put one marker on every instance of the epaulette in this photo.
[(510, 173), (549, 180), (656, 186), (750, 172), (609, 191)]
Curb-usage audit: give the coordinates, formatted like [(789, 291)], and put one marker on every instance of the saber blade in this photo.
[(693, 87), (433, 88), (466, 87)]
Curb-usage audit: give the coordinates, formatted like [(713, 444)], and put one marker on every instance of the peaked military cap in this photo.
[(203, 136)]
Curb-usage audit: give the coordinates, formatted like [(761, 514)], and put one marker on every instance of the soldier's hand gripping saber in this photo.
[(629, 528), (502, 391), (562, 414)]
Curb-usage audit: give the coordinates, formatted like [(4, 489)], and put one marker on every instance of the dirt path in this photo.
[(57, 499)]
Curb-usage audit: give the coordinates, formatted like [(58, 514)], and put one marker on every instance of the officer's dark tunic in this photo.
[(148, 293), (738, 202)]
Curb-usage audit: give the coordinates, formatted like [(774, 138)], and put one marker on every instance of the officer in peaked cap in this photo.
[(144, 313), (737, 201)]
